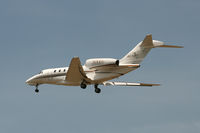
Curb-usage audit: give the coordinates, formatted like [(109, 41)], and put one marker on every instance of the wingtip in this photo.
[(156, 85), (171, 46), (144, 84), (149, 35), (75, 57)]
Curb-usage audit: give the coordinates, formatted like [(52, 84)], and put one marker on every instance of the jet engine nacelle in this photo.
[(95, 62)]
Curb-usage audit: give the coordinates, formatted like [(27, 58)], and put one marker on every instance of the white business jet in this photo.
[(98, 71)]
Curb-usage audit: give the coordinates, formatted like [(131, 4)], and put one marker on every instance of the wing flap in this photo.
[(128, 84)]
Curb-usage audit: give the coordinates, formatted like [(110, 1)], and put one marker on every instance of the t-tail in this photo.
[(137, 55)]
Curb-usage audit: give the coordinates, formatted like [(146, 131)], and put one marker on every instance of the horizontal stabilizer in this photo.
[(157, 43), (170, 46), (128, 84)]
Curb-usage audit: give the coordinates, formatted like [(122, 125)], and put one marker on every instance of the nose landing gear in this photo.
[(36, 89)]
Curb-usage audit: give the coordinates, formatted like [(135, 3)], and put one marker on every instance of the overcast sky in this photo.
[(40, 34)]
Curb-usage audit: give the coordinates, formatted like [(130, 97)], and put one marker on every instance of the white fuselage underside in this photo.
[(49, 76)]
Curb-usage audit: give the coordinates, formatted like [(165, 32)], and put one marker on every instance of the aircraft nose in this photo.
[(30, 81)]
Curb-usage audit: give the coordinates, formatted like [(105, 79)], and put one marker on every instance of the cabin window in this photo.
[(64, 70), (59, 70), (54, 70)]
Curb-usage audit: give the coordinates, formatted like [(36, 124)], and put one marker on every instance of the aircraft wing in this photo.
[(128, 84), (75, 72)]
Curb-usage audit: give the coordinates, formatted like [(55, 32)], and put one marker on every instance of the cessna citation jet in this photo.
[(98, 71)]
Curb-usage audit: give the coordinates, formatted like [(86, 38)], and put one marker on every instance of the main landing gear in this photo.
[(83, 85), (97, 90), (36, 89)]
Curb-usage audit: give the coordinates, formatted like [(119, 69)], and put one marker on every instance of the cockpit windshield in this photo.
[(40, 72)]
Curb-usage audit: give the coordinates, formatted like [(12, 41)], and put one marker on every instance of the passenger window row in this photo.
[(59, 70)]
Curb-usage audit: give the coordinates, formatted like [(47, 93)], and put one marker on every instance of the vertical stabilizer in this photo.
[(137, 55)]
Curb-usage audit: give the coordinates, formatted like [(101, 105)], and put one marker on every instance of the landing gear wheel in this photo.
[(97, 90), (83, 86), (36, 90)]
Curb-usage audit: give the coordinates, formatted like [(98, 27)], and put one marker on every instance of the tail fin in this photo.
[(137, 55)]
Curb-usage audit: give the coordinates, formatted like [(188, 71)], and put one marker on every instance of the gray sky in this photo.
[(40, 34)]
